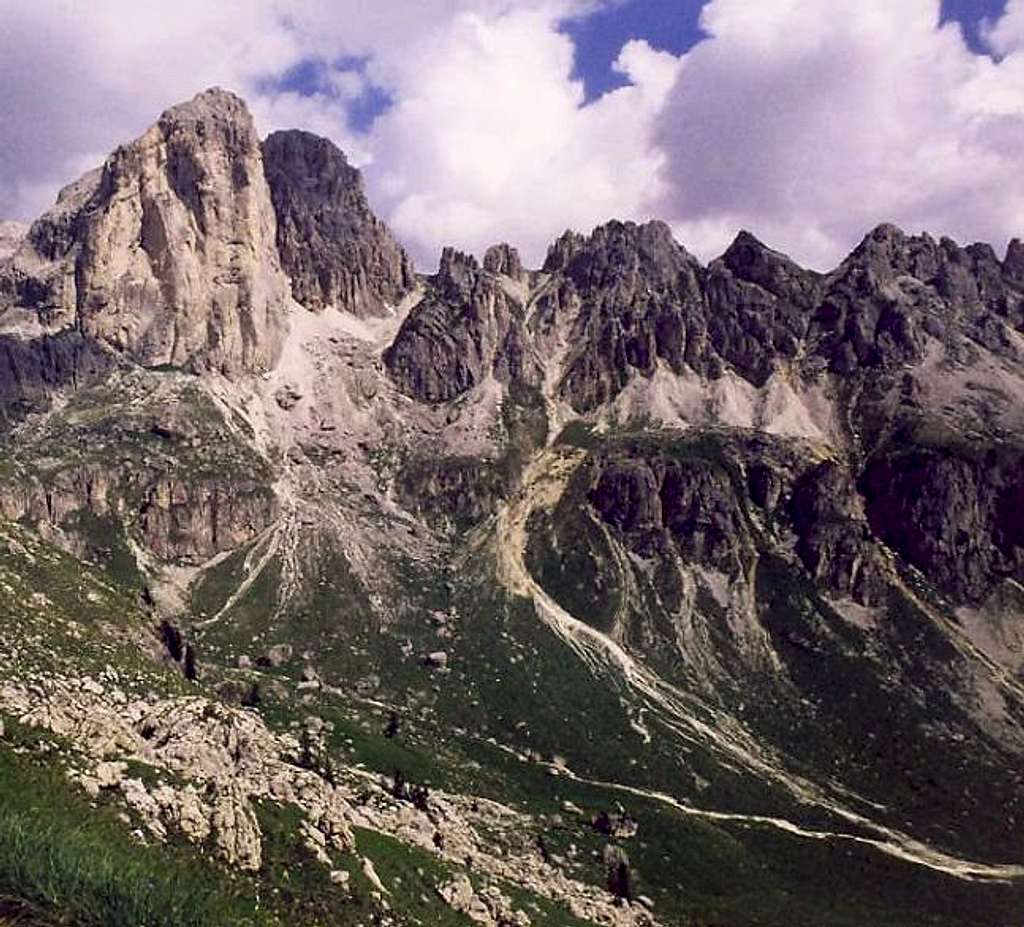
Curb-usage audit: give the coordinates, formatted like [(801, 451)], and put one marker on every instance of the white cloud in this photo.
[(1006, 35), (806, 121), (809, 122), (77, 79), (489, 139)]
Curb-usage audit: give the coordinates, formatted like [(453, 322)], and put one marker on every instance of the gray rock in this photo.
[(287, 397), (335, 250), (503, 259), (279, 654), (466, 327), (438, 659)]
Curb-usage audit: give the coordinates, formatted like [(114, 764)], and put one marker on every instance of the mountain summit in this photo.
[(627, 590)]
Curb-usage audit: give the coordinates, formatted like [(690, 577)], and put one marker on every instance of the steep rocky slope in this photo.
[(166, 253), (336, 252), (737, 546)]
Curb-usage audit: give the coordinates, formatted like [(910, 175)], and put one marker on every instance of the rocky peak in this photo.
[(746, 249), (504, 259), (895, 291), (626, 253), (640, 302), (888, 252), (457, 265), (336, 251), (1013, 266), (211, 133), (562, 251), (748, 259), (166, 254), (759, 304), (457, 272), (466, 327)]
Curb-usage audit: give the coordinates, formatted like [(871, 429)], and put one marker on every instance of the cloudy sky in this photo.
[(804, 121)]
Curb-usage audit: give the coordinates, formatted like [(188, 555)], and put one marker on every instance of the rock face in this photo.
[(691, 504), (504, 259), (688, 504), (466, 328), (11, 236), (32, 368), (194, 520), (167, 253), (758, 305), (335, 250), (639, 303), (954, 515), (632, 299), (835, 543), (895, 291)]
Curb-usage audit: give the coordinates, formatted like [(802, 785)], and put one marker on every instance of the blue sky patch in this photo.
[(971, 13), (668, 25)]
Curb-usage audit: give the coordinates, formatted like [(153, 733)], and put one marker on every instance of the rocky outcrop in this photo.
[(952, 513), (639, 301), (489, 906), (665, 503), (466, 328), (695, 501), (11, 236), (503, 259), (167, 253), (336, 252), (835, 543), (224, 760), (31, 369), (758, 305), (160, 464), (194, 519), (454, 492), (895, 291)]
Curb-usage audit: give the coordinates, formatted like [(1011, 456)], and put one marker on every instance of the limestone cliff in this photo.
[(167, 253)]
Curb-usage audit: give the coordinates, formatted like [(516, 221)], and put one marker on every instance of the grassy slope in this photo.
[(66, 860), (511, 682)]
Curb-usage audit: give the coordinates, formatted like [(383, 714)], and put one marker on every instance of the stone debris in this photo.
[(315, 840), (372, 877), (229, 752), (278, 655), (287, 397), (488, 906), (109, 774), (211, 763)]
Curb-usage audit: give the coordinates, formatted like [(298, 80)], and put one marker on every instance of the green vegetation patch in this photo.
[(71, 863)]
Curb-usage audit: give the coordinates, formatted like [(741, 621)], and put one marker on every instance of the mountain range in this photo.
[(627, 590)]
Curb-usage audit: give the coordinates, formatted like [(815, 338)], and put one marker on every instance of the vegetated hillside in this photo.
[(624, 591)]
